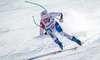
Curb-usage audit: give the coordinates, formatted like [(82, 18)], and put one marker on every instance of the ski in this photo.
[(57, 51), (53, 53)]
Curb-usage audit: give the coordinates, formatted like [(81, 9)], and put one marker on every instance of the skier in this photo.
[(48, 24)]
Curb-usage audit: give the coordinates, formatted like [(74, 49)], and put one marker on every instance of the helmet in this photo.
[(44, 15)]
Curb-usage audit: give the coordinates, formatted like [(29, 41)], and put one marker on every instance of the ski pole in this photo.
[(35, 22)]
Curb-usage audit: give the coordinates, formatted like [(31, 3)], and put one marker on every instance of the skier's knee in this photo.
[(48, 31)]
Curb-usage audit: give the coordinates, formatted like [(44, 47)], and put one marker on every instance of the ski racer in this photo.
[(49, 25)]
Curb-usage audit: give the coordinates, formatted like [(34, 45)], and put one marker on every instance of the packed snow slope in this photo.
[(19, 36)]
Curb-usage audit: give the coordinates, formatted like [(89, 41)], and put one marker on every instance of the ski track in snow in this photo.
[(19, 35)]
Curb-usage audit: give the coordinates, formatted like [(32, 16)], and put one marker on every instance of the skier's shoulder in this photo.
[(42, 25), (42, 22)]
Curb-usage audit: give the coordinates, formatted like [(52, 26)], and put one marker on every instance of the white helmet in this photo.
[(44, 15)]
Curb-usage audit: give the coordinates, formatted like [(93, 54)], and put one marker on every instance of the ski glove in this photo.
[(61, 18), (45, 33)]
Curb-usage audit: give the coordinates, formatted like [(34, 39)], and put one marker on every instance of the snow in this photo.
[(19, 36)]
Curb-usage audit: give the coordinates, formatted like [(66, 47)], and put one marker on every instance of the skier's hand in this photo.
[(61, 20), (45, 33)]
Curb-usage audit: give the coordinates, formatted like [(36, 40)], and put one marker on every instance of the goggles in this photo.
[(45, 19)]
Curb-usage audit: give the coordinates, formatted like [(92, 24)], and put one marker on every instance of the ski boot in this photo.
[(59, 43), (77, 41)]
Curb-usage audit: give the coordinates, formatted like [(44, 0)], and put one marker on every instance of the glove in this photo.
[(45, 33), (61, 20)]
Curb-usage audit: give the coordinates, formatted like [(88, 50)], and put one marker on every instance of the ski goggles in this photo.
[(45, 19)]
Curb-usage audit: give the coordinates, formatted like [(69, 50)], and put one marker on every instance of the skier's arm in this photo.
[(41, 28), (41, 31), (54, 14)]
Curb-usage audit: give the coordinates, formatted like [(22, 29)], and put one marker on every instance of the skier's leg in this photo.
[(72, 38), (76, 40), (59, 30), (59, 43), (53, 36), (66, 35)]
